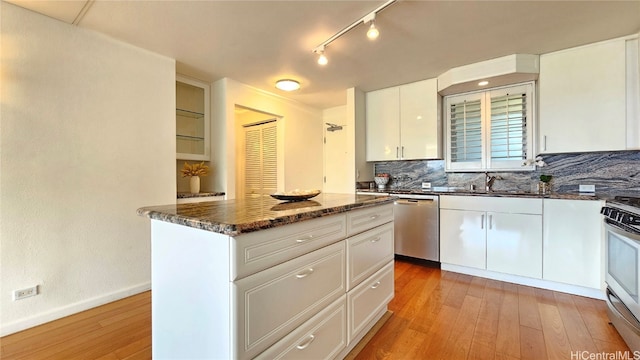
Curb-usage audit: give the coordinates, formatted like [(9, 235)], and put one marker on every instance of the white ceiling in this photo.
[(258, 42)]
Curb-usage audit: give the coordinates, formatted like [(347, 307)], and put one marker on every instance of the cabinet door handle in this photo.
[(373, 217), (482, 222), (375, 240), (402, 152), (305, 273), (305, 344), (305, 239), (397, 152), (490, 222), (544, 142), (375, 286)]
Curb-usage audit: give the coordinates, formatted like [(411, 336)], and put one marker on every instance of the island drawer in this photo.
[(322, 337), (365, 219), (256, 251), (274, 302), (368, 299), (368, 252)]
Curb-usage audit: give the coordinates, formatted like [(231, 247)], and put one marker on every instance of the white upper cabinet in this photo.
[(583, 97), (192, 119), (403, 122)]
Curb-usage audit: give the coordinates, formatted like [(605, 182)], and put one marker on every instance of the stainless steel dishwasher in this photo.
[(416, 225)]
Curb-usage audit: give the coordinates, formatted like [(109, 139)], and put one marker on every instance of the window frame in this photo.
[(486, 163)]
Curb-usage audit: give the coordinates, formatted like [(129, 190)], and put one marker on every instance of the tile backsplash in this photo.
[(610, 172)]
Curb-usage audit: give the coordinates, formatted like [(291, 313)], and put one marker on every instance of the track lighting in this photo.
[(372, 33)]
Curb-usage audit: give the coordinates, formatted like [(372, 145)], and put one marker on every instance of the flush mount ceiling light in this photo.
[(287, 85), (372, 33)]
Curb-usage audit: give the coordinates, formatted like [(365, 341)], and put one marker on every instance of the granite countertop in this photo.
[(186, 195), (234, 217), (497, 193)]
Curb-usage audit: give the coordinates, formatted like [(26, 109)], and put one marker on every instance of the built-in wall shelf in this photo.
[(192, 119)]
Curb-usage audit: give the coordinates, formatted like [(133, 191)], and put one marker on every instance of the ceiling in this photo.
[(258, 42)]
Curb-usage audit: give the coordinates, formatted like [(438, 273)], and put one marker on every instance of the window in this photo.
[(490, 130)]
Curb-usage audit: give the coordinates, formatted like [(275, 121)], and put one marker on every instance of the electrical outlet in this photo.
[(587, 188), (25, 293), (426, 185)]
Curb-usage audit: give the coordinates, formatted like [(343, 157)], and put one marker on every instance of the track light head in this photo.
[(373, 33), (322, 59)]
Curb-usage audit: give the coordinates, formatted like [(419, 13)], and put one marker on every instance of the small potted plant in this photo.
[(544, 187), (194, 171)]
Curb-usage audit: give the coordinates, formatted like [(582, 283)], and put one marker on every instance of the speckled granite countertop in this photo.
[(234, 217), (566, 196), (186, 195)]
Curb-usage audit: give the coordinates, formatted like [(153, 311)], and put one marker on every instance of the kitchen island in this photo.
[(261, 278)]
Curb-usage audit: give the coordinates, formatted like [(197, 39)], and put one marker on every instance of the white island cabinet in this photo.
[(269, 285)]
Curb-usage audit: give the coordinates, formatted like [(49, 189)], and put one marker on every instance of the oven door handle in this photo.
[(635, 327)]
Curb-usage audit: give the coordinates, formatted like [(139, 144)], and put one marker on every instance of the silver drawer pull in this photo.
[(373, 217), (306, 343), (305, 273), (375, 286), (309, 237), (375, 240)]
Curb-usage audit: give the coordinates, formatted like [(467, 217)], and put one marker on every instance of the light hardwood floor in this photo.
[(436, 315)]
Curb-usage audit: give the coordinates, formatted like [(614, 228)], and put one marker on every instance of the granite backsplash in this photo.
[(610, 172)]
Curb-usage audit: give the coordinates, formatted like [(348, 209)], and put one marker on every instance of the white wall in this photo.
[(88, 136), (344, 150), (300, 130), (338, 154)]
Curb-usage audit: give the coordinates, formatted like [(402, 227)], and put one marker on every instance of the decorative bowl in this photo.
[(295, 195), (381, 181)]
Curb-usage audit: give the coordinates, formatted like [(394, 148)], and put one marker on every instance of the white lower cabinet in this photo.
[(275, 301), (368, 252), (506, 239), (366, 300), (322, 337), (514, 244), (463, 240), (573, 242)]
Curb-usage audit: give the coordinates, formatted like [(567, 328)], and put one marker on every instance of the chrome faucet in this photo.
[(488, 181)]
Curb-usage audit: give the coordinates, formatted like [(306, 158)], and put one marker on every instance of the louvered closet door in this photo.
[(510, 118), (260, 162)]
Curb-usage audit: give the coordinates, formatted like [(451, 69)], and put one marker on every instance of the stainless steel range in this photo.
[(622, 262)]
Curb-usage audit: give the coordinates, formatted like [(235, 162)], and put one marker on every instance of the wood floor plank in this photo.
[(483, 345), (476, 287), (459, 343), (528, 307), (456, 295), (439, 333), (579, 337), (555, 336), (532, 345), (508, 335), (593, 312)]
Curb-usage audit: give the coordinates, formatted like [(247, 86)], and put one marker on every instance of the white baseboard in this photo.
[(57, 313), (539, 283)]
